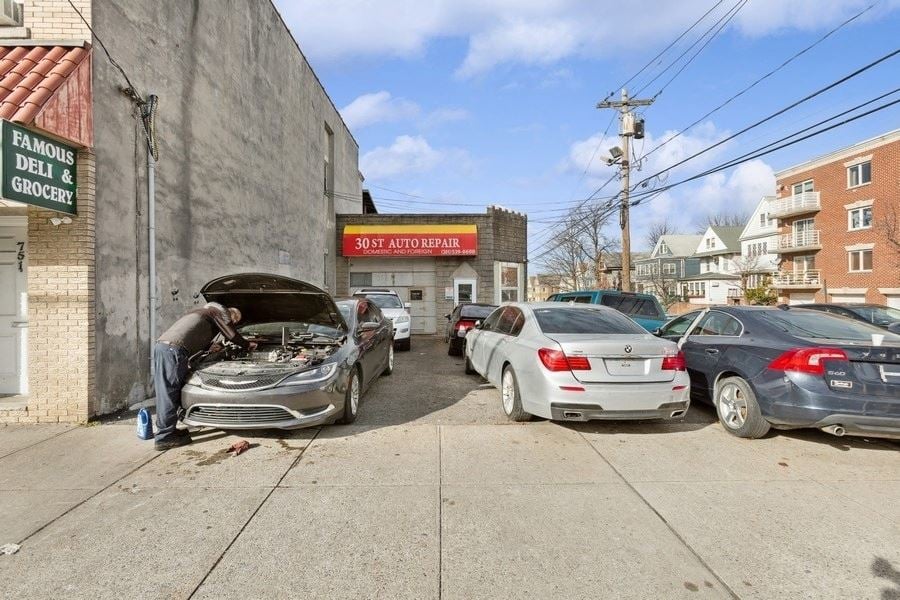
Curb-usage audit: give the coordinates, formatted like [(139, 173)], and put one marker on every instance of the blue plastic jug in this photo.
[(144, 425)]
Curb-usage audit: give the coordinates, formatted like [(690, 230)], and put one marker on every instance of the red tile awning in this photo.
[(48, 87)]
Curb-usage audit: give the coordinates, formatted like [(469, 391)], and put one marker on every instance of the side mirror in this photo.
[(367, 326), (448, 317), (406, 305), (477, 324), (657, 332)]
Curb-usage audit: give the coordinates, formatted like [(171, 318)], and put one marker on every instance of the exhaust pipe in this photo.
[(571, 414), (837, 430), (676, 414)]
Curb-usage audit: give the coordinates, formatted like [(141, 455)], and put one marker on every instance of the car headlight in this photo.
[(195, 380), (402, 319), (320, 373)]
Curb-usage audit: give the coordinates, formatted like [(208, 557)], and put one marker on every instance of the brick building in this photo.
[(839, 225), (237, 102), (435, 261)]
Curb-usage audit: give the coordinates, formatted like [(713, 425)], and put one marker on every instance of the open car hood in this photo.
[(267, 298)]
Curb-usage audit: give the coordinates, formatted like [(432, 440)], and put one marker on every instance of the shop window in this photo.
[(859, 218), (860, 174), (509, 282), (358, 280)]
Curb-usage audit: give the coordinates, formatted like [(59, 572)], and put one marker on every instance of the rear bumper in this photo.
[(879, 427), (673, 411)]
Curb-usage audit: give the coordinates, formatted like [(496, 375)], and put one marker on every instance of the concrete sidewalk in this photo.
[(434, 494), (450, 511)]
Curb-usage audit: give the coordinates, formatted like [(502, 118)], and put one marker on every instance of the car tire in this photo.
[(738, 409), (351, 408), (470, 370), (389, 368), (510, 397), (403, 345), (455, 348)]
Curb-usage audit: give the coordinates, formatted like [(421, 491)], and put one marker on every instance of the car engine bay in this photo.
[(295, 352)]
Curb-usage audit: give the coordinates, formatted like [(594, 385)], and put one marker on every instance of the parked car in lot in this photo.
[(791, 367), (874, 314), (313, 361), (577, 363), (645, 309), (461, 320), (393, 308)]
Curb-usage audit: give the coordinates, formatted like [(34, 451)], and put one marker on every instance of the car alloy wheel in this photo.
[(732, 406), (354, 393), (508, 390)]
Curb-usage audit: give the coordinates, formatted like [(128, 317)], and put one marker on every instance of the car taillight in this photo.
[(807, 360), (465, 325), (674, 362), (556, 360)]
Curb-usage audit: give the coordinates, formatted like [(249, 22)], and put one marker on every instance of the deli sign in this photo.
[(410, 240), (37, 170)]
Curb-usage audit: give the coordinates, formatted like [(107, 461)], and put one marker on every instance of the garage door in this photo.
[(801, 299), (848, 298), (893, 301), (412, 278)]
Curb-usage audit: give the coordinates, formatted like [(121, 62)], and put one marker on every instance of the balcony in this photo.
[(797, 280), (799, 241), (799, 204)]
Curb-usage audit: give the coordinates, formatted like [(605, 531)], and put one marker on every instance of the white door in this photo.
[(801, 299), (13, 310), (464, 290), (848, 298), (893, 301)]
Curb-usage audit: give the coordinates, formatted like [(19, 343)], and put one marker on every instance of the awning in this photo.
[(48, 88)]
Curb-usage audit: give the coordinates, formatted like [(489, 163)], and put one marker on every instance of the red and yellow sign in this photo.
[(410, 240)]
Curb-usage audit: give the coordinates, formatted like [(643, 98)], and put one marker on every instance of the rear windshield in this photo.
[(579, 320), (476, 312), (819, 325), (384, 300), (631, 305)]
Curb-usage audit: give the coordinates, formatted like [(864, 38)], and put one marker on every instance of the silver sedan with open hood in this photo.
[(313, 357)]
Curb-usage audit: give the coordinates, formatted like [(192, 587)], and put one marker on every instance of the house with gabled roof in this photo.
[(670, 260), (718, 281), (759, 246)]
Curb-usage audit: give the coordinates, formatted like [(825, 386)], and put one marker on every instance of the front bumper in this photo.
[(401, 331), (280, 407)]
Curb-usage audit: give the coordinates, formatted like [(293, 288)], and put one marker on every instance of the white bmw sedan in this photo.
[(577, 362)]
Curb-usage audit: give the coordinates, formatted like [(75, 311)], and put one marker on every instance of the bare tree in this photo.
[(745, 266), (889, 226), (665, 286), (580, 248), (656, 231), (736, 218)]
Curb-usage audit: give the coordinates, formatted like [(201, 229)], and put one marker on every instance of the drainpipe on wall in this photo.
[(151, 236)]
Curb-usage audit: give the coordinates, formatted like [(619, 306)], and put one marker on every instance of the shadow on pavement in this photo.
[(881, 567)]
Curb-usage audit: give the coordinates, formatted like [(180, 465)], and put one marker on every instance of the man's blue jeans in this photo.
[(170, 370)]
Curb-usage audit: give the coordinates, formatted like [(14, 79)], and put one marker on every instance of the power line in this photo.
[(763, 78), (666, 49), (689, 48)]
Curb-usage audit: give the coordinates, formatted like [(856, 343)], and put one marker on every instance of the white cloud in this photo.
[(740, 191), (408, 155), (542, 31), (444, 115), (378, 107)]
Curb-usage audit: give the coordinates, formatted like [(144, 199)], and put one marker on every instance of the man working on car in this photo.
[(191, 334)]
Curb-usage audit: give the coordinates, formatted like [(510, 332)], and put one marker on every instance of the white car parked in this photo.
[(577, 362), (394, 309)]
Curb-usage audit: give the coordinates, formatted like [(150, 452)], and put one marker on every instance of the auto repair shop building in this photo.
[(253, 164), (435, 261)]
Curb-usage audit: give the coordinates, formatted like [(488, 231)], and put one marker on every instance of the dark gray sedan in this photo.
[(789, 368), (314, 358)]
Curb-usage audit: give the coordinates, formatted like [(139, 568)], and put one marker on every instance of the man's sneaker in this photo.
[(180, 437)]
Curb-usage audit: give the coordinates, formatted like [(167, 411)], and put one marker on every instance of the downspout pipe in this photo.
[(151, 237)]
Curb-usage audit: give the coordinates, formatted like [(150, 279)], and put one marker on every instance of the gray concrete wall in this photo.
[(241, 128)]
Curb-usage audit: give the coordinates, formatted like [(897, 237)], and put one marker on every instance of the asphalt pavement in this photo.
[(433, 494)]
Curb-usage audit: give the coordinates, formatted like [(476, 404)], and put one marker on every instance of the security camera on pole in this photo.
[(629, 127)]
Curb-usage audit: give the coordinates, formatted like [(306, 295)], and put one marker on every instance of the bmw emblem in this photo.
[(628, 349)]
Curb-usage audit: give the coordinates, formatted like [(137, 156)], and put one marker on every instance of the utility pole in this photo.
[(628, 128)]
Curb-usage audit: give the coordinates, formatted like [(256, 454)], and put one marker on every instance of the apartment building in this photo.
[(541, 287), (839, 225)]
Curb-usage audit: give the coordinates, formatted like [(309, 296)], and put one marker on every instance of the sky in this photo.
[(459, 104)]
